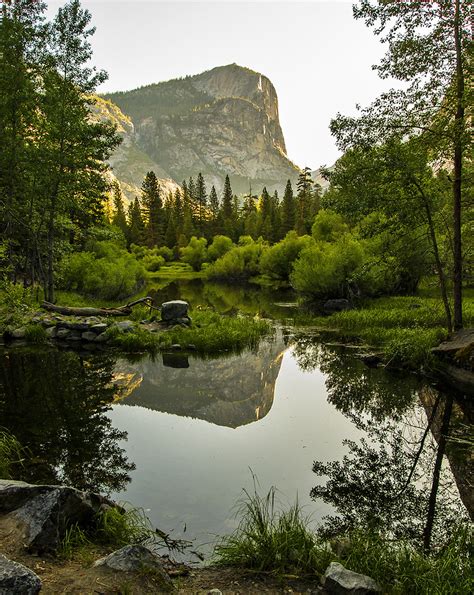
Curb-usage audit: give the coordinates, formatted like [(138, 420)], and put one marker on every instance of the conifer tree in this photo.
[(178, 210), (136, 225), (201, 202), (288, 210), (152, 209), (214, 208), (171, 237), (119, 219), (227, 201), (304, 198)]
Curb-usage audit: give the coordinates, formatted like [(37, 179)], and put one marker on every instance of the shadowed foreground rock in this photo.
[(338, 580), (136, 558), (17, 579), (42, 514)]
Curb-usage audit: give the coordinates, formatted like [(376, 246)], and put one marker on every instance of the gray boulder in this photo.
[(338, 580), (19, 333), (88, 336), (44, 513), (62, 333), (173, 310), (135, 558), (125, 326), (99, 327), (16, 579), (336, 305)]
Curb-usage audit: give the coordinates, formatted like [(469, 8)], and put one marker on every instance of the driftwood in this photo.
[(120, 311)]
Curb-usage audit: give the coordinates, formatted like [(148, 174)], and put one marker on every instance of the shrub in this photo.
[(10, 453), (278, 260), (105, 271), (240, 263), (153, 263), (220, 245), (325, 270), (195, 253), (328, 226)]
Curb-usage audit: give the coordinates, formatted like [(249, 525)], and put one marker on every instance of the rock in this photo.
[(19, 333), (62, 333), (336, 305), (185, 320), (460, 379), (125, 326), (214, 592), (44, 513), (461, 340), (191, 347), (175, 360), (98, 328), (176, 347), (102, 338), (88, 336), (46, 322), (170, 311), (16, 579), (51, 332), (338, 580), (371, 360), (135, 558)]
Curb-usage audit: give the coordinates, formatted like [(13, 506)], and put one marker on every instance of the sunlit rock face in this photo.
[(223, 121), (230, 391), (129, 164)]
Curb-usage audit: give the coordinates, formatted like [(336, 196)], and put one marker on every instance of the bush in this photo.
[(153, 263), (10, 453), (325, 270), (106, 271), (220, 246), (240, 263), (328, 226), (195, 253), (278, 260)]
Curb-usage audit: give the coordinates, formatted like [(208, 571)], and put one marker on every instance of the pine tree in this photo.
[(171, 236), (214, 208), (119, 219), (136, 225), (288, 215), (304, 198), (178, 210), (152, 209), (265, 215), (201, 201)]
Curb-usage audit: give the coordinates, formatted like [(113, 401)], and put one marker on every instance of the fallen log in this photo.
[(119, 311)]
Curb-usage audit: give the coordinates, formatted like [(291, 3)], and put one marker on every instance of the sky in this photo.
[(317, 56)]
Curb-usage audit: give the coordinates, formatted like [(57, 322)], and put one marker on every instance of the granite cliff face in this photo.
[(128, 162), (224, 121)]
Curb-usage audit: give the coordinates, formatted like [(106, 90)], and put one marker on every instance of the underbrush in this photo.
[(404, 328), (10, 453), (279, 542), (210, 333)]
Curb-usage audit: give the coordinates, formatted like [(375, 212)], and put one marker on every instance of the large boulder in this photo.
[(173, 310), (43, 513), (339, 581), (136, 558), (16, 579)]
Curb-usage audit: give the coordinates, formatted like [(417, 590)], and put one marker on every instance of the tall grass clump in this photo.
[(10, 453), (269, 540)]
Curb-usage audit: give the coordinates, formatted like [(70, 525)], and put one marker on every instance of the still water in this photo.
[(181, 436)]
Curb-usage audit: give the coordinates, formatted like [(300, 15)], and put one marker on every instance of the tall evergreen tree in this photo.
[(136, 225), (227, 200), (152, 208), (178, 210), (305, 196), (119, 219), (201, 202), (288, 208)]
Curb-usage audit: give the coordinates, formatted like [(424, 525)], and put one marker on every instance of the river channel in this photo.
[(181, 436)]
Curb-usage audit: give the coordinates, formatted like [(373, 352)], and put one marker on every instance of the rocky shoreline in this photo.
[(36, 519)]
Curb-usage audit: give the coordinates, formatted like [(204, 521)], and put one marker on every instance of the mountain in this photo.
[(128, 162), (223, 121)]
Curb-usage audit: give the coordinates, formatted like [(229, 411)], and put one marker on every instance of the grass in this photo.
[(403, 328), (177, 270), (210, 333), (279, 542), (113, 529), (10, 453)]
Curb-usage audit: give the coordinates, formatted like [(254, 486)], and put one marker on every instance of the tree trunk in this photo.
[(457, 183)]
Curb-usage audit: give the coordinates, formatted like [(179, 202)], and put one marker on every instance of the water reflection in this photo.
[(229, 391), (55, 403)]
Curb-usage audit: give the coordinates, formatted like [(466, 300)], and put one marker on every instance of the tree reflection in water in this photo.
[(394, 480), (55, 403)]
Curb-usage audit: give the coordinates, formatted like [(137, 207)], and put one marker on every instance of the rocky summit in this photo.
[(223, 121)]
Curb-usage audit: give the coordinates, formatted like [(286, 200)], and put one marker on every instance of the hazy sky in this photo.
[(317, 56)]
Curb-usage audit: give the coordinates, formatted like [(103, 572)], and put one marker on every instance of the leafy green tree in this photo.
[(74, 148), (429, 49), (195, 253), (152, 208)]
